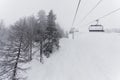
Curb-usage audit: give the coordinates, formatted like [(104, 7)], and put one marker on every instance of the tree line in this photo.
[(25, 35)]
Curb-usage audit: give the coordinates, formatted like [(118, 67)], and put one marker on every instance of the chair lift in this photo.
[(96, 28)]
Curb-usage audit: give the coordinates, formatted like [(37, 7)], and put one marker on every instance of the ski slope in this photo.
[(90, 56)]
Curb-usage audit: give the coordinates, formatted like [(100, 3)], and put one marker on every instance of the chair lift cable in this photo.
[(76, 12)]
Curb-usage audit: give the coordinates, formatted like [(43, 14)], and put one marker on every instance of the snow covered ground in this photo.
[(90, 56)]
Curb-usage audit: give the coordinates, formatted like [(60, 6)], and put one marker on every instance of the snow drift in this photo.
[(90, 56)]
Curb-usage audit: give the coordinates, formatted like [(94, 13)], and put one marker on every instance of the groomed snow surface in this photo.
[(90, 56)]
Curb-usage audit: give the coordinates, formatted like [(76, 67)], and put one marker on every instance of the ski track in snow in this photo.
[(90, 56)]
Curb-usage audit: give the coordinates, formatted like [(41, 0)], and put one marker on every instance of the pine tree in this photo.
[(52, 36), (31, 23), (15, 53), (40, 31)]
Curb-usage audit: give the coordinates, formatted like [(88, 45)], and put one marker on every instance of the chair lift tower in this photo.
[(73, 31)]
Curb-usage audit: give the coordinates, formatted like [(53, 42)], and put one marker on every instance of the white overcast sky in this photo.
[(12, 10)]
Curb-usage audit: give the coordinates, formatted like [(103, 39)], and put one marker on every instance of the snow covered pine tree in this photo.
[(52, 36), (14, 54)]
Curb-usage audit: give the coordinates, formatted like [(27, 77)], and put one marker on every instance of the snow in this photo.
[(90, 56)]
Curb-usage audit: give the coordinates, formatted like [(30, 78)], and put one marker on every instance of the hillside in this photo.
[(90, 56)]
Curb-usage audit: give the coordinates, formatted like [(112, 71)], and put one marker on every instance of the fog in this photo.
[(12, 10)]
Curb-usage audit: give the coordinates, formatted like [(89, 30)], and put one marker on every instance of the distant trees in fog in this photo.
[(113, 30)]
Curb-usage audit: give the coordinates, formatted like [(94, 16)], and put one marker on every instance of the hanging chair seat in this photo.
[(96, 28)]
